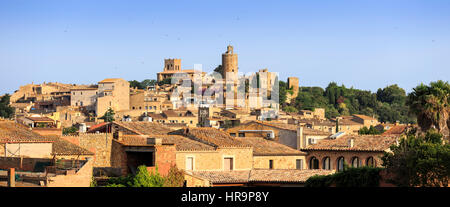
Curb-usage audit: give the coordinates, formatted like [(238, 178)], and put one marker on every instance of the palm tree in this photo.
[(431, 106)]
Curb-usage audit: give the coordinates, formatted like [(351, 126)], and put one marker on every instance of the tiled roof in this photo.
[(211, 136), (290, 127), (364, 117), (360, 143), (316, 122), (63, 147), (263, 147), (396, 130), (145, 128), (96, 127), (184, 143), (40, 119), (285, 175), (233, 176), (348, 122), (14, 132), (181, 143), (110, 80), (259, 175)]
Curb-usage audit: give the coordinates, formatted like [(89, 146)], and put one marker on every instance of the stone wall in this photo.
[(192, 181), (348, 156), (279, 162), (81, 178), (214, 160), (100, 144), (47, 131)]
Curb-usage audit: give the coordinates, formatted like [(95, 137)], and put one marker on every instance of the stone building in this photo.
[(352, 150), (268, 154), (290, 135), (173, 66), (113, 93), (84, 97), (293, 83), (230, 76)]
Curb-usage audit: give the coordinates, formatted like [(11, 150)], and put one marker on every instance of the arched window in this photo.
[(314, 163), (326, 165), (340, 164), (370, 162), (356, 162)]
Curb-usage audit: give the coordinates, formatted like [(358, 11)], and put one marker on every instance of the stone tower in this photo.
[(230, 71), (172, 64), (229, 61), (294, 84)]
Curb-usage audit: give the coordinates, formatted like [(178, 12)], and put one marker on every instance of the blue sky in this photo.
[(365, 44)]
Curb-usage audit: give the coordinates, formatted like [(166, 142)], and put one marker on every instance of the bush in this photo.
[(350, 177)]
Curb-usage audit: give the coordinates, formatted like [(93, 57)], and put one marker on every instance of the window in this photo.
[(189, 163), (370, 162), (326, 165), (356, 162), (241, 134), (233, 134), (228, 163), (314, 163), (340, 164), (270, 164), (299, 164)]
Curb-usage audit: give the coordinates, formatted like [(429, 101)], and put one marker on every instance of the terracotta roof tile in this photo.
[(360, 143), (258, 175), (263, 147), (15, 132), (214, 137), (396, 130), (211, 136), (63, 147), (145, 128), (181, 143)]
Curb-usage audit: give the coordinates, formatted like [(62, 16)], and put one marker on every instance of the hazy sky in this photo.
[(364, 44)]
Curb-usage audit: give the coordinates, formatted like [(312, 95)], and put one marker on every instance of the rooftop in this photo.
[(259, 175), (145, 128), (11, 132), (211, 136), (263, 147), (360, 143)]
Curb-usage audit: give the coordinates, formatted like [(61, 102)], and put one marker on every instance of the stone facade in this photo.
[(86, 97), (279, 162), (214, 160), (100, 144), (81, 178), (113, 93), (348, 157)]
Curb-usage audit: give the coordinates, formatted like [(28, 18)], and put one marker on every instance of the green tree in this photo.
[(147, 83), (290, 109), (69, 130), (5, 110), (145, 179), (392, 94), (165, 81), (431, 106), (174, 178), (135, 83), (419, 161), (108, 116)]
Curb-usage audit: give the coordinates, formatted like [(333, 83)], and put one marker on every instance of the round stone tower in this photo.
[(229, 61)]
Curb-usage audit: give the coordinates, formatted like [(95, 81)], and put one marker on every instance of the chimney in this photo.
[(11, 177), (351, 143), (300, 139)]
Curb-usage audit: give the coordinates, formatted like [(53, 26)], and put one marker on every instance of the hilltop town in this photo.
[(217, 131)]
